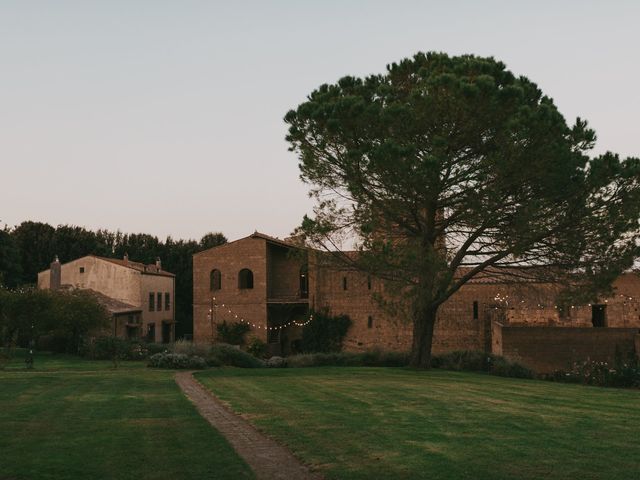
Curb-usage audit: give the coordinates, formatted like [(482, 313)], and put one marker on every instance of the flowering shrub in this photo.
[(177, 361), (623, 373)]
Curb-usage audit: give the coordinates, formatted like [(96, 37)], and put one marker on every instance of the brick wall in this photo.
[(249, 304), (545, 349)]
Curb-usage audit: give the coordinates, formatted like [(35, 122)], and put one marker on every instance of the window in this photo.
[(370, 322), (81, 269), (344, 283), (167, 301), (215, 280), (159, 302), (475, 310), (245, 279), (152, 302), (369, 282)]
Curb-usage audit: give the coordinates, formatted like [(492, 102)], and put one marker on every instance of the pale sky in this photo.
[(165, 117)]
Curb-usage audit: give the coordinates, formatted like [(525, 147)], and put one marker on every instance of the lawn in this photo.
[(364, 423), (70, 418)]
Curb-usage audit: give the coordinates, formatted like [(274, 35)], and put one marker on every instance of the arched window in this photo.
[(215, 280), (245, 278), (304, 281)]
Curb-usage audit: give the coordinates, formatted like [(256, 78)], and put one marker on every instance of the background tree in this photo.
[(444, 168), (10, 261), (31, 246)]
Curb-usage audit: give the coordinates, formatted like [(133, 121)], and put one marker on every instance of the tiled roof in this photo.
[(112, 305), (141, 267)]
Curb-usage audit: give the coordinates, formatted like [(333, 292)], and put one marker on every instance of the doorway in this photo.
[(599, 315)]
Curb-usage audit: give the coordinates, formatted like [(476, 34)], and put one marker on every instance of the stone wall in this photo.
[(545, 349)]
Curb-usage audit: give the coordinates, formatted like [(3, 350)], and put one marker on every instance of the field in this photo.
[(364, 423), (70, 418)]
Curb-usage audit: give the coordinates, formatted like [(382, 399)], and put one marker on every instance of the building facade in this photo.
[(139, 297), (286, 282)]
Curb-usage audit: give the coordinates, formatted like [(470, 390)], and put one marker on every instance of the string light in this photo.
[(504, 301), (278, 327)]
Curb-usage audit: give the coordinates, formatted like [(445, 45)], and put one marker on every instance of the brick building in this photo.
[(272, 285), (140, 298)]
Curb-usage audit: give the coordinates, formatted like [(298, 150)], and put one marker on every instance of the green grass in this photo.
[(364, 423), (71, 418)]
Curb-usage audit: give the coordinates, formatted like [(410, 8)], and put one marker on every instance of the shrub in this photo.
[(325, 333), (623, 373), (189, 348), (276, 362), (257, 347), (373, 358), (232, 333), (153, 348), (476, 361), (503, 368), (176, 361), (108, 348), (233, 356)]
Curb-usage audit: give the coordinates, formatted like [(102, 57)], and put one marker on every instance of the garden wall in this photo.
[(545, 349)]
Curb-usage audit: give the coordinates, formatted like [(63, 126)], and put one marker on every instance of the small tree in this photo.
[(325, 333), (232, 333), (447, 167)]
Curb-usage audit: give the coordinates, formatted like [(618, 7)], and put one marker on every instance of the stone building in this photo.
[(139, 297), (272, 285)]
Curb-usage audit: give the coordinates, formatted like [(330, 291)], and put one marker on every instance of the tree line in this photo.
[(30, 247)]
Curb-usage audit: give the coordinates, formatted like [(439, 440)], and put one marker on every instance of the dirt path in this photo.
[(268, 459)]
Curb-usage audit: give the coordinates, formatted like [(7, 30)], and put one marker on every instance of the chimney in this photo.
[(126, 259), (158, 264), (55, 274)]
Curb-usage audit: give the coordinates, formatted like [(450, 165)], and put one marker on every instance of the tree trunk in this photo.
[(423, 338)]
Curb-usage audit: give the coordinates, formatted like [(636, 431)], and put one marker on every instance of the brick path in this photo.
[(268, 459)]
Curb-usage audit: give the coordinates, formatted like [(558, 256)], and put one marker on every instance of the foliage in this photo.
[(152, 348), (232, 333), (257, 347), (623, 373), (476, 361), (10, 261), (449, 162), (231, 355), (325, 333), (372, 358), (30, 247), (111, 348), (177, 361), (190, 348), (66, 317)]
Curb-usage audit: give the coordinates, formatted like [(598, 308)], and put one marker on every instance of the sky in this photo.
[(165, 117)]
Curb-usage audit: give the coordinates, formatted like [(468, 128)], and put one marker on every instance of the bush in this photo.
[(469, 360), (189, 348), (257, 347), (373, 358), (503, 368), (153, 348), (233, 356), (232, 333), (177, 361), (622, 374), (325, 333), (476, 361)]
